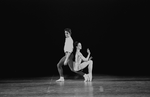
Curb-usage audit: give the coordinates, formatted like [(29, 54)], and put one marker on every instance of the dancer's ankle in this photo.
[(61, 77), (84, 75)]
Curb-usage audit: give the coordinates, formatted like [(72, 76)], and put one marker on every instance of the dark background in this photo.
[(32, 33)]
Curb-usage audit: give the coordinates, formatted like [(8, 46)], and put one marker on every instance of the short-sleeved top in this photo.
[(68, 47)]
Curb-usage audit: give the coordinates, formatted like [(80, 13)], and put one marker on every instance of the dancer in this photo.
[(79, 65), (68, 48)]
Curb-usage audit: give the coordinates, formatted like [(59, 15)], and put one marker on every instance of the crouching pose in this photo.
[(68, 48), (79, 65)]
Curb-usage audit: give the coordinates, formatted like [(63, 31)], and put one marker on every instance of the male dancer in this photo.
[(68, 48)]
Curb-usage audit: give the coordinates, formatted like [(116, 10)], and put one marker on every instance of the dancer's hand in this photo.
[(90, 58), (88, 51), (65, 62)]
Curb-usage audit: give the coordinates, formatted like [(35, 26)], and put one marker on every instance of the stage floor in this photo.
[(101, 86)]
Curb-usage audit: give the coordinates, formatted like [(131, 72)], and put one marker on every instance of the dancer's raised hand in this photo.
[(88, 51), (90, 58)]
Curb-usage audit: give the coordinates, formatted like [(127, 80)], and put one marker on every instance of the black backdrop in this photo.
[(32, 34)]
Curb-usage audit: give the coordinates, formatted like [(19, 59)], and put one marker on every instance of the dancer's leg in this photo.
[(90, 68), (70, 63), (60, 70), (86, 78), (83, 65)]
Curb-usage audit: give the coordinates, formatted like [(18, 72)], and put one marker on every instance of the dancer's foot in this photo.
[(86, 77), (90, 77), (61, 79)]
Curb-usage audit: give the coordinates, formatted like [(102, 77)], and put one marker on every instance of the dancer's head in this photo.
[(79, 46), (68, 32)]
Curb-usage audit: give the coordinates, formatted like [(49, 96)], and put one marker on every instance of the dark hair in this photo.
[(68, 29), (76, 43), (74, 50)]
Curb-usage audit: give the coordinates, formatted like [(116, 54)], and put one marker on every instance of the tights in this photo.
[(70, 64)]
